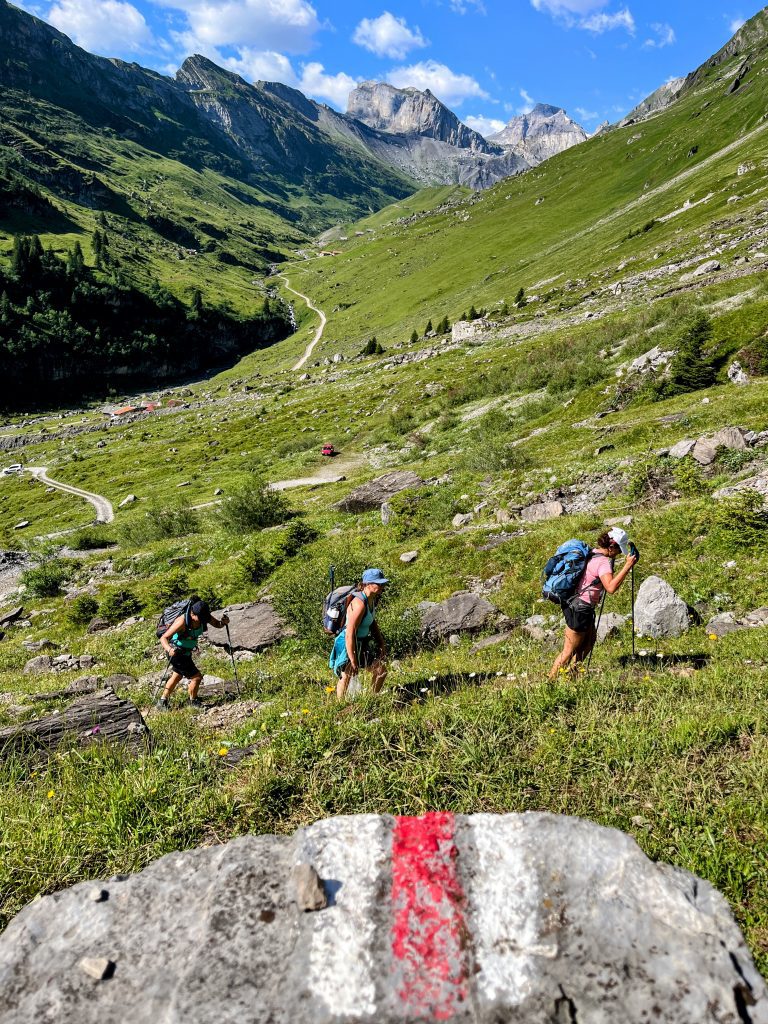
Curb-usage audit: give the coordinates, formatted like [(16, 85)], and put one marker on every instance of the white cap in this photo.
[(620, 537)]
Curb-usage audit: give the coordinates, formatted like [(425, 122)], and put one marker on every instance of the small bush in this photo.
[(82, 610), (45, 579), (296, 536), (159, 522), (490, 444), (754, 356), (253, 566), (119, 605), (91, 539), (732, 460), (253, 506), (741, 520), (689, 481)]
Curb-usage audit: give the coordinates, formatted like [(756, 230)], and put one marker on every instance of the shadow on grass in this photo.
[(421, 689), (663, 661)]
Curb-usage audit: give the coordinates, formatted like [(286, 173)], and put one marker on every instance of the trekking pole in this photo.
[(632, 573), (597, 627), (232, 656), (161, 684)]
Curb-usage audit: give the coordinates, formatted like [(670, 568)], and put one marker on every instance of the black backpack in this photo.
[(173, 611)]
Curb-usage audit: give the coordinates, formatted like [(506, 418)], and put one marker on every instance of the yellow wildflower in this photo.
[(50, 794), (223, 751)]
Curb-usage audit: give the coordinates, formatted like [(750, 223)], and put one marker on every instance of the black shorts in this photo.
[(579, 616), (182, 663), (366, 652)]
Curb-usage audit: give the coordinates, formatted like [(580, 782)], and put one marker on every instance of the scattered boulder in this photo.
[(98, 717), (650, 362), (659, 612), (710, 267), (22, 525), (6, 618), (460, 613), (462, 519), (127, 500), (705, 449), (542, 511), (758, 484), (409, 556), (98, 625), (737, 374), (252, 627), (594, 925), (373, 494), (723, 624), (681, 449), (611, 624), (39, 666), (490, 641)]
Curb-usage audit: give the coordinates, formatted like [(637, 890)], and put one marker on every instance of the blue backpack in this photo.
[(564, 570)]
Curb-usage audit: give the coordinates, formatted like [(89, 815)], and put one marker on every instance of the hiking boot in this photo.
[(195, 702), (162, 704)]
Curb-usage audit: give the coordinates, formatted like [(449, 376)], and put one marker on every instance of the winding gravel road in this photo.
[(318, 332), (104, 511)]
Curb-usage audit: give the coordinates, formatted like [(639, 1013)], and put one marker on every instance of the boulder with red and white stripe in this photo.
[(528, 918)]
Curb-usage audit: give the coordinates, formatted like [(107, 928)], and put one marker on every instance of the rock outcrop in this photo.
[(529, 917), (541, 134), (659, 100), (460, 613), (376, 492), (252, 627), (659, 612)]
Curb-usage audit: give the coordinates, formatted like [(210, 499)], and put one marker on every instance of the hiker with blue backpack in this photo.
[(185, 623), (350, 614), (577, 578)]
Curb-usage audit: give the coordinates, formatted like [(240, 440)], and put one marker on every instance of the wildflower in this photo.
[(50, 794), (330, 689), (263, 727), (713, 636), (305, 711), (223, 751)]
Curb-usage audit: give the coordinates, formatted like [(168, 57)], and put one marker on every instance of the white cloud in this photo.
[(388, 36), (102, 26), (601, 22), (449, 86), (736, 24), (587, 14), (665, 36), (586, 115), (485, 125), (261, 65), (317, 83), (266, 25), (528, 103), (462, 6)]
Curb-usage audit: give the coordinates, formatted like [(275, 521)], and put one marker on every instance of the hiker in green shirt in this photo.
[(178, 641)]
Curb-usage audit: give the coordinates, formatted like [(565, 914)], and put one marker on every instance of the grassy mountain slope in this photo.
[(564, 229)]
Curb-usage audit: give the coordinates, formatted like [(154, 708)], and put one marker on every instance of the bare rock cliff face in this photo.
[(411, 112), (664, 96), (542, 134)]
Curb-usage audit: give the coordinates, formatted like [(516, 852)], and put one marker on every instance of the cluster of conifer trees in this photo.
[(67, 327)]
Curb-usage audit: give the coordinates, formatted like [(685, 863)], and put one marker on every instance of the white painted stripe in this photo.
[(509, 915), (349, 854)]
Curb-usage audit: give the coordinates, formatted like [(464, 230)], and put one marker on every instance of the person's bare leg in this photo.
[(194, 686), (570, 646), (379, 671), (172, 682), (343, 683)]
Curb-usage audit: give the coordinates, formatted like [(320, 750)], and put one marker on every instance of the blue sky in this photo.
[(486, 59)]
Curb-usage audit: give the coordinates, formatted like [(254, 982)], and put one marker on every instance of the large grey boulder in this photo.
[(705, 449), (522, 918), (376, 492), (611, 624), (252, 627), (542, 511), (460, 613), (659, 612), (39, 666), (6, 618), (758, 484)]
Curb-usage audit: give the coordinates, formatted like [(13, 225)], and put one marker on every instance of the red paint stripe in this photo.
[(429, 933)]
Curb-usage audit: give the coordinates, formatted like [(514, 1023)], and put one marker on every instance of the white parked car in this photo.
[(13, 469)]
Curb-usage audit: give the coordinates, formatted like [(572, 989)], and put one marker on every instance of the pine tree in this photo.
[(690, 370), (196, 305), (428, 328), (414, 337), (6, 310), (520, 297), (504, 311), (75, 260), (473, 314), (20, 257)]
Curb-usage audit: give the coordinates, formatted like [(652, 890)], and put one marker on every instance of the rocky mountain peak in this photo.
[(410, 111), (540, 134)]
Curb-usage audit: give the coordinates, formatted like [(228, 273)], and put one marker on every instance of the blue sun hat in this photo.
[(374, 576)]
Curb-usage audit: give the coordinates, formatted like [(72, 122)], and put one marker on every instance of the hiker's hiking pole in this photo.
[(635, 554), (232, 656), (164, 680), (597, 628)]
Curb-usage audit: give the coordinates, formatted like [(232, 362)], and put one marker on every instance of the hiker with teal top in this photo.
[(361, 644), (179, 641)]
